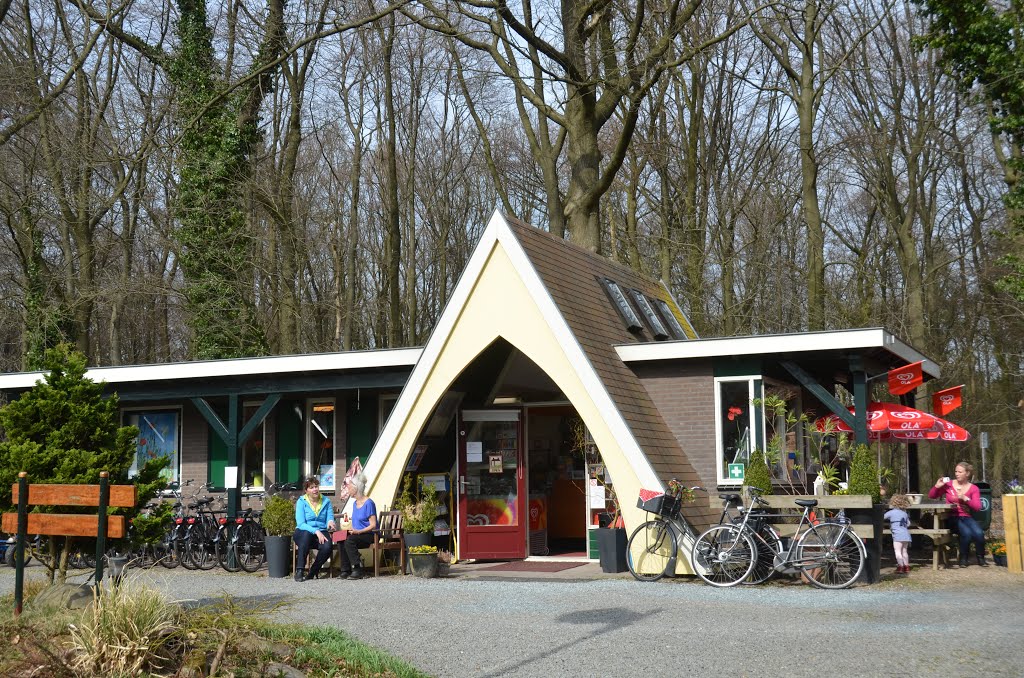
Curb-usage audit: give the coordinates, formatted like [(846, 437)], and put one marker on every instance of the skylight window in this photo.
[(657, 327), (677, 329), (622, 305)]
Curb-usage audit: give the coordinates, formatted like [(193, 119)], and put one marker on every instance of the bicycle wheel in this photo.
[(201, 552), (251, 546), (227, 553), (831, 556), (168, 553), (769, 545), (183, 546), (651, 550), (723, 555)]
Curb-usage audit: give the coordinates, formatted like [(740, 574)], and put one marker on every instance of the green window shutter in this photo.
[(218, 459), (289, 443)]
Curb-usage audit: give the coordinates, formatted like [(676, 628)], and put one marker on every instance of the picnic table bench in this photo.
[(941, 537)]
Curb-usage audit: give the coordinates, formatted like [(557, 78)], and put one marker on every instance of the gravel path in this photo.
[(610, 627)]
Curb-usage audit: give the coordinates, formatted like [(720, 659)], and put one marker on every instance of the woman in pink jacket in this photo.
[(964, 497)]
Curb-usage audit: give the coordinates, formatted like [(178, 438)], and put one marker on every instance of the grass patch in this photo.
[(330, 652), (133, 630)]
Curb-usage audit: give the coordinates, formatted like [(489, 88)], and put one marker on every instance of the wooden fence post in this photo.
[(101, 536), (1013, 523), (19, 543)]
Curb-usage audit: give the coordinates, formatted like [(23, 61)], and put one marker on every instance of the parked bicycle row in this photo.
[(744, 547), (185, 529)]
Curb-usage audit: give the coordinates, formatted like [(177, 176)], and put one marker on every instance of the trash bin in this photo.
[(984, 516)]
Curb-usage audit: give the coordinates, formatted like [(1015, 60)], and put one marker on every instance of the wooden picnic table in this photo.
[(940, 536)]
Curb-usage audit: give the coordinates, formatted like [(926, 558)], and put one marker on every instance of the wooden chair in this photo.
[(390, 537)]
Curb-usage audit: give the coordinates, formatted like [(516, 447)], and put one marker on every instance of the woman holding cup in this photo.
[(965, 498)]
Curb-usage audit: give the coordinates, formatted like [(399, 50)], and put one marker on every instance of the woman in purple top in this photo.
[(364, 524), (964, 497)]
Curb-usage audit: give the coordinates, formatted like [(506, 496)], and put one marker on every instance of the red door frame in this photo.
[(492, 542)]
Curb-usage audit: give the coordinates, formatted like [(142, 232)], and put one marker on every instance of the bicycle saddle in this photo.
[(807, 503), (205, 501), (730, 498)]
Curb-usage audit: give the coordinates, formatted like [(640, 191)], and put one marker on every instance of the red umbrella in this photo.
[(951, 433), (889, 421)]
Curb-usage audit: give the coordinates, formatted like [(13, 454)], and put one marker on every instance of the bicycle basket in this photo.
[(660, 503)]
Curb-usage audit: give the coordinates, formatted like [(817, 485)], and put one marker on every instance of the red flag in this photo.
[(947, 400), (905, 379)]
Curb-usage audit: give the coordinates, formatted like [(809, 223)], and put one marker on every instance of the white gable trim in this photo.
[(498, 232)]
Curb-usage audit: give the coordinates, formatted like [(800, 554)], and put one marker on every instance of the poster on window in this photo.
[(158, 437)]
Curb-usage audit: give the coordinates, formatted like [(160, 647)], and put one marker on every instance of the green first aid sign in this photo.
[(735, 471)]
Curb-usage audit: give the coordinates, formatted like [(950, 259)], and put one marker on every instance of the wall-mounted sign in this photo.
[(735, 471)]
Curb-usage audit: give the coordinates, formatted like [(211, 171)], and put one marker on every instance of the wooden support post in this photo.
[(19, 543), (101, 535)]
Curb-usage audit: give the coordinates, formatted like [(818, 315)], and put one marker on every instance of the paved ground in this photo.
[(581, 623)]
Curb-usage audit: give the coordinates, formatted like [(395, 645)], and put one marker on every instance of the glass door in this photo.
[(492, 485)]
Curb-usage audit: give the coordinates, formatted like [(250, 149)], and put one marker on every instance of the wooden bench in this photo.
[(786, 523), (100, 525)]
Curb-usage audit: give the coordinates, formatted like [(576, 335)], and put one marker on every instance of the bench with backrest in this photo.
[(98, 525)]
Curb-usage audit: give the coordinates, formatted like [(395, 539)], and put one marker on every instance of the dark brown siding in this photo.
[(685, 397)]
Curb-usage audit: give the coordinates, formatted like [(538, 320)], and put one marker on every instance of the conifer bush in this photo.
[(758, 474), (864, 474)]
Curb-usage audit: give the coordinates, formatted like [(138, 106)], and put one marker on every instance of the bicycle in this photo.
[(764, 535), (245, 547), (652, 549), (828, 553)]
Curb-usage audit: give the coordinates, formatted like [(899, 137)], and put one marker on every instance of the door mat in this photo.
[(528, 566)]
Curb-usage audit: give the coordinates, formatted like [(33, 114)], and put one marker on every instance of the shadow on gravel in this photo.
[(606, 620)]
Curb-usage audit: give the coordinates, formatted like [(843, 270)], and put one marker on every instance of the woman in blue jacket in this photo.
[(314, 519)]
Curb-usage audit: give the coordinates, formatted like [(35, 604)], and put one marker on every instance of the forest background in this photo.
[(198, 179)]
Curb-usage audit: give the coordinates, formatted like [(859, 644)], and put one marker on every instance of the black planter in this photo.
[(416, 539), (611, 547), (279, 556), (873, 517)]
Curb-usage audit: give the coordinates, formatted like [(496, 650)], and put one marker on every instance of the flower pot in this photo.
[(999, 560), (279, 556), (443, 569), (416, 539), (423, 564)]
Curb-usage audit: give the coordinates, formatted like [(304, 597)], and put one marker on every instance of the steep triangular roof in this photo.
[(564, 283)]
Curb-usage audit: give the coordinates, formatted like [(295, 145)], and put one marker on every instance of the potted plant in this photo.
[(423, 560), (279, 522), (864, 479), (418, 515), (997, 547)]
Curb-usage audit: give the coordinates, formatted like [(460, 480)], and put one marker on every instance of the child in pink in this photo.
[(899, 525)]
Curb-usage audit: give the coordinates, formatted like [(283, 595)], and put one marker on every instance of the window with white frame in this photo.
[(253, 449), (159, 436), (321, 442), (734, 430)]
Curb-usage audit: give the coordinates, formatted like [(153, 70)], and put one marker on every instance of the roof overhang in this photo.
[(877, 341), (247, 374)]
